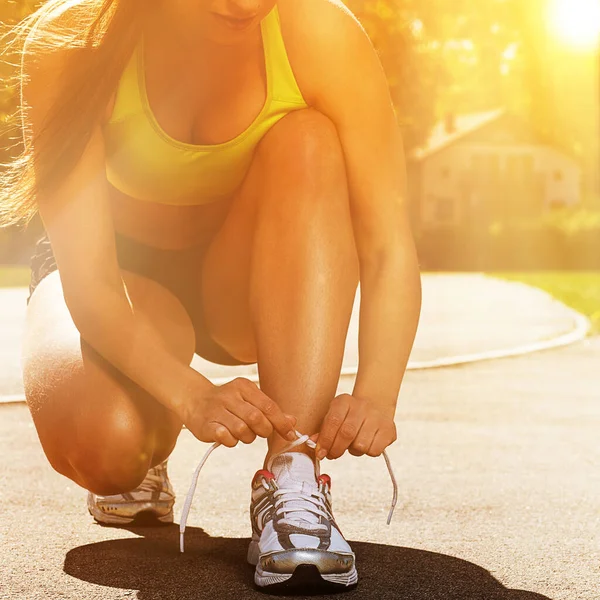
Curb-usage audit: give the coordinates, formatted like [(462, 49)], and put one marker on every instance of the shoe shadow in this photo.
[(216, 568)]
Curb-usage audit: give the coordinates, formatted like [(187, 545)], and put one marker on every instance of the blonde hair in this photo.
[(98, 36)]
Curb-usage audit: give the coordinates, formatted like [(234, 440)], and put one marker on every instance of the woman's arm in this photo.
[(79, 224), (342, 77)]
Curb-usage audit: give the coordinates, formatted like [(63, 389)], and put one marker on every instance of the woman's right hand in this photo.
[(236, 411)]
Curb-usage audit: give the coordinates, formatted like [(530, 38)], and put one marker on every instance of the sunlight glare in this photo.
[(576, 22)]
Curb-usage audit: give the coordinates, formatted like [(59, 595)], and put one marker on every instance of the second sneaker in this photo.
[(153, 498)]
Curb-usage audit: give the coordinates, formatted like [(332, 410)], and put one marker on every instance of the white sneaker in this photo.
[(294, 534), (153, 498), (293, 530)]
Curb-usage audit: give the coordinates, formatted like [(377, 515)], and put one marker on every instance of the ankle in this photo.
[(303, 449)]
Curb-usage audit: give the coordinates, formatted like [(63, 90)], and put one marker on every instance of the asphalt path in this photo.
[(497, 464)]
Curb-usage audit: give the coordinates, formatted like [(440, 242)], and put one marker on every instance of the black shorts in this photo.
[(170, 268)]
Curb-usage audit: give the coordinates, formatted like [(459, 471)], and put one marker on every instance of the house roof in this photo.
[(463, 125)]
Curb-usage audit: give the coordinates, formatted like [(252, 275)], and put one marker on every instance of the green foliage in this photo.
[(14, 276), (408, 61), (475, 43), (461, 56), (573, 220), (449, 56)]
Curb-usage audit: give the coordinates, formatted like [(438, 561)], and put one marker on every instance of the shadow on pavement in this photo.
[(216, 568)]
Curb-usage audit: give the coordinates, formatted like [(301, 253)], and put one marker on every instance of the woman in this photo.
[(213, 176)]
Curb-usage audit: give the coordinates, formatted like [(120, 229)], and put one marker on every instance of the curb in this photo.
[(16, 399), (577, 334)]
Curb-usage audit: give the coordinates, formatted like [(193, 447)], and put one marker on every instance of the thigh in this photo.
[(225, 274), (292, 156), (82, 406), (179, 272)]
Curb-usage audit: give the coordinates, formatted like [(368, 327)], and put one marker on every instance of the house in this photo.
[(485, 168)]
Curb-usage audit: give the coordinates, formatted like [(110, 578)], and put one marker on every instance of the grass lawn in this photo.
[(14, 276), (578, 289)]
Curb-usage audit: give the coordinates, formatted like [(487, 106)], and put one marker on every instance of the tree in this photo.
[(413, 74)]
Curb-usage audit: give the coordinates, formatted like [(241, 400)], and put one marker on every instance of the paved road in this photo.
[(500, 500), (462, 314)]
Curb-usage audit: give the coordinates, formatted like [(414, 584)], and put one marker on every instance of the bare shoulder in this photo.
[(322, 17), (321, 37)]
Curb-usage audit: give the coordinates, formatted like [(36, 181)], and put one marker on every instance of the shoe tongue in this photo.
[(295, 470)]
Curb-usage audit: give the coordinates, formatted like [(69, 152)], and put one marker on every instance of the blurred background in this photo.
[(498, 103)]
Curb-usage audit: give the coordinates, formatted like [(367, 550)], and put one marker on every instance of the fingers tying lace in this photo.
[(302, 439)]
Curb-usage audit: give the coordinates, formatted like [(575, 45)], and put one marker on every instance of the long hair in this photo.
[(97, 37)]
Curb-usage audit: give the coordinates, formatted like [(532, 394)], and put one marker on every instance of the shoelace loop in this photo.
[(302, 439)]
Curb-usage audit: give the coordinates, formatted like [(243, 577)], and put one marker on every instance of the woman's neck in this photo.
[(172, 33), (214, 65)]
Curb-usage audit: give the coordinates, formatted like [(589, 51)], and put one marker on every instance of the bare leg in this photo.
[(292, 307), (303, 274), (97, 427)]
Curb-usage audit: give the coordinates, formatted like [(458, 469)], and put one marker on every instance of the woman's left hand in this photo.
[(355, 425)]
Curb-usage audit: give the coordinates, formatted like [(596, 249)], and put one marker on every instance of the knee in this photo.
[(306, 140), (100, 471), (112, 459), (112, 482), (104, 445), (95, 425)]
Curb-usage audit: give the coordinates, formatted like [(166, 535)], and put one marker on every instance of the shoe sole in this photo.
[(306, 578), (144, 516), (303, 577)]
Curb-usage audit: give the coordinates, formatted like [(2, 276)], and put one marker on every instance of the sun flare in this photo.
[(576, 22)]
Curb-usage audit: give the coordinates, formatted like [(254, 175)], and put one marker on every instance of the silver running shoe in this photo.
[(294, 533), (153, 498), (295, 539)]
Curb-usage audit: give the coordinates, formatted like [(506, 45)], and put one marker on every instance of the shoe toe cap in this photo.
[(327, 562)]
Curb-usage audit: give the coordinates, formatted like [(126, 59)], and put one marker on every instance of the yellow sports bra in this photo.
[(144, 162)]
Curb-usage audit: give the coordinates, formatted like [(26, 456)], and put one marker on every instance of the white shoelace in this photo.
[(302, 439), (291, 501)]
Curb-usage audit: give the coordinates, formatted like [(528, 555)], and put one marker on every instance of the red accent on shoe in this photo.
[(325, 480), (262, 473)]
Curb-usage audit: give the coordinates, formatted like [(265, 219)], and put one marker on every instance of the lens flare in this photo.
[(576, 22)]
